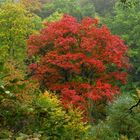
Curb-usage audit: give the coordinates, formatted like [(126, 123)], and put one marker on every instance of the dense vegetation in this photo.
[(69, 70)]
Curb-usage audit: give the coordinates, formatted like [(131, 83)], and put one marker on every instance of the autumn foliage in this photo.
[(80, 61)]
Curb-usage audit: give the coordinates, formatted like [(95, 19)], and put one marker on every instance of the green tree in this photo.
[(128, 3), (31, 5), (103, 7), (16, 24), (79, 8), (56, 16), (87, 8)]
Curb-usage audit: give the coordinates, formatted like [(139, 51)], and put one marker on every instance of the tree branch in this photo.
[(134, 105)]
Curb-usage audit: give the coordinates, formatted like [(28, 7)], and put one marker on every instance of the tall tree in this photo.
[(32, 5), (16, 25), (80, 61)]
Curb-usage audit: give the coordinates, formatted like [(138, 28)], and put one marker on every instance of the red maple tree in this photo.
[(80, 61)]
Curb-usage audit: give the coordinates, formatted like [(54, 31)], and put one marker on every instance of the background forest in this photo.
[(69, 69)]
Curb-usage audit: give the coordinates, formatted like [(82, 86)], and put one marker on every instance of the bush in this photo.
[(57, 123), (44, 117), (122, 122), (123, 119)]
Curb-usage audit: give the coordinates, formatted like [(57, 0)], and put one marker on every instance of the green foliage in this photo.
[(31, 5), (102, 131), (16, 25), (125, 23), (78, 8), (4, 134), (37, 21), (13, 83), (128, 3), (54, 17), (4, 91), (123, 120), (2, 1), (104, 7), (43, 117), (55, 122), (86, 8)]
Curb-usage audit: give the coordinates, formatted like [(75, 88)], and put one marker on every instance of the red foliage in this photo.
[(81, 61)]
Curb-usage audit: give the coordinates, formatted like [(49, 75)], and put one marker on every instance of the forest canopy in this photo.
[(69, 69)]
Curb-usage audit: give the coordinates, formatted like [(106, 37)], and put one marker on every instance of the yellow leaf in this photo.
[(46, 93), (138, 92)]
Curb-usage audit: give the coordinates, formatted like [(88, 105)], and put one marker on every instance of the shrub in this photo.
[(57, 123), (44, 118), (122, 122)]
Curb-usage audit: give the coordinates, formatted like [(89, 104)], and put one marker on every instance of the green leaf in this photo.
[(22, 86), (1, 66), (14, 80)]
